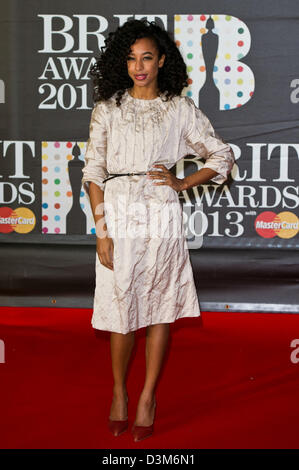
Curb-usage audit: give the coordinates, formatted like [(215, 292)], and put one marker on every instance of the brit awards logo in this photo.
[(213, 48), (64, 205)]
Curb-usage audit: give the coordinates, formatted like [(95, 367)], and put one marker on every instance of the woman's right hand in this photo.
[(105, 249)]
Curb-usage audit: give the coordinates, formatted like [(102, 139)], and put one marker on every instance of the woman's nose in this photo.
[(139, 65)]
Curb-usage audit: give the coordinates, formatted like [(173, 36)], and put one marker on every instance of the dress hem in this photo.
[(148, 324)]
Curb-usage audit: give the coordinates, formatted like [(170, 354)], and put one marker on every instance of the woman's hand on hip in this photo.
[(168, 178)]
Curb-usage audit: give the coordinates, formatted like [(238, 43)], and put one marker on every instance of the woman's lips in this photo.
[(140, 77)]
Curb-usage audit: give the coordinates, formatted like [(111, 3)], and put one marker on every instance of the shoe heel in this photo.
[(117, 427), (142, 432)]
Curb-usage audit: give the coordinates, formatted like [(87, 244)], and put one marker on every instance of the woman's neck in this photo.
[(143, 94)]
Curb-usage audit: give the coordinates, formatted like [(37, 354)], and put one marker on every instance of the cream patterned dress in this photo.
[(152, 280)]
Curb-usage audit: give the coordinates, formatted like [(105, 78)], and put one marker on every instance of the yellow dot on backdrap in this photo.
[(240, 81), (177, 30), (200, 43), (177, 17), (44, 144), (227, 93), (227, 56), (45, 193), (81, 145), (203, 30), (215, 17), (45, 156), (69, 157)]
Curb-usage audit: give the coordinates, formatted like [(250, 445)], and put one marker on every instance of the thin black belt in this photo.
[(123, 174)]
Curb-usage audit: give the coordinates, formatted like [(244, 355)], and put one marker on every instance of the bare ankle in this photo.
[(148, 396), (119, 390)]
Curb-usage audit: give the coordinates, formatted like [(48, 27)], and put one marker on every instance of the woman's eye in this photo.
[(132, 58)]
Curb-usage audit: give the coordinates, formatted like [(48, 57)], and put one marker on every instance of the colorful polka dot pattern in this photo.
[(233, 78), (57, 197)]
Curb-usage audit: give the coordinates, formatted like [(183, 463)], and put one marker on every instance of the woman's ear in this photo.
[(161, 60)]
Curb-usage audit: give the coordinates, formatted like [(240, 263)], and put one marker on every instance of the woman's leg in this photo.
[(121, 347), (156, 344)]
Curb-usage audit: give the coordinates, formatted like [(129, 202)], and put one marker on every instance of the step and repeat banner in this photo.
[(242, 62)]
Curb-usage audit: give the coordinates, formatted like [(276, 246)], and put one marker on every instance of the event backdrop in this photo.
[(242, 60)]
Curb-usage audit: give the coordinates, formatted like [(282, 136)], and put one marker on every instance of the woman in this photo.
[(140, 127)]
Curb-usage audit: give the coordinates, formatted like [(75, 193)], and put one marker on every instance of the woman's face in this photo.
[(143, 63)]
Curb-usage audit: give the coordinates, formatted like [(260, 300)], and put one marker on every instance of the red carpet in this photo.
[(229, 384)]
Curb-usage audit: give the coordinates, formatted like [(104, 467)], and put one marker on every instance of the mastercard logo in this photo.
[(284, 225), (20, 220)]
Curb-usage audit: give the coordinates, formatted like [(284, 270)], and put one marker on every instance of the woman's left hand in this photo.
[(168, 178)]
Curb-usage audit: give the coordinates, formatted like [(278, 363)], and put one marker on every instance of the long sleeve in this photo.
[(200, 137), (96, 150)]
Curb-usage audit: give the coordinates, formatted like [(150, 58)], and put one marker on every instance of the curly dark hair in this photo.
[(110, 73)]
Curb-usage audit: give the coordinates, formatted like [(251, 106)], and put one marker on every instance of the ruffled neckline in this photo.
[(141, 100), (139, 110)]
